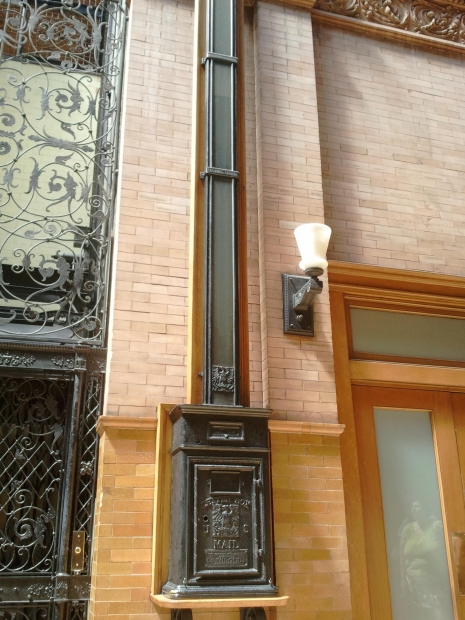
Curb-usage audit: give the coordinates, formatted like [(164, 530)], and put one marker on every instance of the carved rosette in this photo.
[(426, 17)]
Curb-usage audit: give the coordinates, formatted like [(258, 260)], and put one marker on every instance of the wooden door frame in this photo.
[(349, 281)]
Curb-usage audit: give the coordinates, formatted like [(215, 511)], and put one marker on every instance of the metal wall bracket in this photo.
[(219, 172), (298, 294), (220, 57)]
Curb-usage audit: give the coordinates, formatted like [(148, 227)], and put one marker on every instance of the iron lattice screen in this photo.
[(32, 447)]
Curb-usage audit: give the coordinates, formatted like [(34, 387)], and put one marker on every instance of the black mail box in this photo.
[(221, 544)]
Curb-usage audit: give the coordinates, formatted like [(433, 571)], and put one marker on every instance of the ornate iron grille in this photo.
[(30, 612), (77, 610), (33, 419), (60, 90)]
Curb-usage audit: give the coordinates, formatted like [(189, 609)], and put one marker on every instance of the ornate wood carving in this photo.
[(425, 17)]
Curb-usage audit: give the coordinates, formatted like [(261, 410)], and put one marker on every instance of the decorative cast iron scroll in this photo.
[(222, 379), (77, 610), (32, 416), (426, 17), (60, 82)]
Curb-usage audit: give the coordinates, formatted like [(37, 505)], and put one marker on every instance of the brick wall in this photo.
[(149, 337), (297, 373), (392, 127), (309, 525), (121, 567)]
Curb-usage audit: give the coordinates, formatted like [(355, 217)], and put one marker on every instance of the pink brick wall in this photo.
[(392, 126), (297, 374), (149, 344)]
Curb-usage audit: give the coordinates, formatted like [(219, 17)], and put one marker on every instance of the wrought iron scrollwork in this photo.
[(29, 612), (60, 93), (60, 77), (32, 427), (77, 610)]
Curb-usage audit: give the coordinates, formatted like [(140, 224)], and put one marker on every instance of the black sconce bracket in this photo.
[(299, 293)]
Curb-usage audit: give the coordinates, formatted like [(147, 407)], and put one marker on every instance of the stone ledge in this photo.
[(114, 422), (217, 603), (107, 422), (305, 428)]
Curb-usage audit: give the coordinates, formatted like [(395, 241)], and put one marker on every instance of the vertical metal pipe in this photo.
[(221, 371)]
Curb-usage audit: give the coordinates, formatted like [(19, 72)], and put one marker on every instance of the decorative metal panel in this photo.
[(60, 87), (77, 610), (32, 448), (30, 612), (227, 534)]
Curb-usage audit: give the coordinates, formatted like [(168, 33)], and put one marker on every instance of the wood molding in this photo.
[(305, 428), (353, 277), (196, 230), (217, 603), (351, 284), (431, 377), (162, 501), (113, 422), (350, 463)]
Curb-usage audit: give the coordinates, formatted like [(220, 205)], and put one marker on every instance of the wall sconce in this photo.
[(299, 292)]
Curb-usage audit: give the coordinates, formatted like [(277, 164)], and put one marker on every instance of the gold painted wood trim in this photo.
[(196, 233), (108, 422), (162, 500), (217, 603), (431, 377), (350, 463), (305, 428), (379, 31)]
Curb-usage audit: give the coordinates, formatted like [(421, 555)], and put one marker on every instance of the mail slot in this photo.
[(220, 503)]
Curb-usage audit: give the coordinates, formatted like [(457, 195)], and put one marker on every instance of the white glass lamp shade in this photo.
[(312, 241)]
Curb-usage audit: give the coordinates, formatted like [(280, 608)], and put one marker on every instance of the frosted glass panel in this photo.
[(418, 572), (408, 335)]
